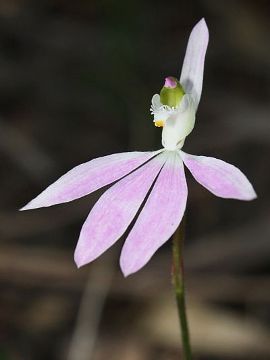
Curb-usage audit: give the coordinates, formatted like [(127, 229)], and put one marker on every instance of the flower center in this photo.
[(172, 92), (170, 97)]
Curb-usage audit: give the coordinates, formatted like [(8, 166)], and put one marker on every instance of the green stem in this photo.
[(179, 288)]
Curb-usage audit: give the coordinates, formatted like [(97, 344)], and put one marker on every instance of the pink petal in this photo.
[(222, 179), (160, 217), (88, 177), (192, 71), (115, 210)]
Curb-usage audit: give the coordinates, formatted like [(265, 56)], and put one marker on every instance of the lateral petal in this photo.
[(193, 66), (222, 179), (88, 177), (115, 210), (159, 218)]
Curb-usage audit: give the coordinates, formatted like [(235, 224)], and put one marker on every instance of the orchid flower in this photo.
[(152, 184)]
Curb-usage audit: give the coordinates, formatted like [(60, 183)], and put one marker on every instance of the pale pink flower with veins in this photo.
[(156, 176)]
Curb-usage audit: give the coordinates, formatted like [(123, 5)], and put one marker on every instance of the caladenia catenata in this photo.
[(157, 176)]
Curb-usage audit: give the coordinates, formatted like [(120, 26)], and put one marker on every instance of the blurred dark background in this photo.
[(76, 80)]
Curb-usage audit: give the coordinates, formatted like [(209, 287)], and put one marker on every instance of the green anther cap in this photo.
[(172, 92)]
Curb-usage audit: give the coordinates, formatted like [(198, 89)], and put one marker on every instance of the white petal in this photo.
[(114, 211), (88, 177), (179, 125), (192, 71), (159, 218), (156, 104), (222, 179)]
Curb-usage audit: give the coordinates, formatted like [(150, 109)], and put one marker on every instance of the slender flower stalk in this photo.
[(178, 280)]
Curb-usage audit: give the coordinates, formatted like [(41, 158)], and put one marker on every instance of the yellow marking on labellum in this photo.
[(159, 123)]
